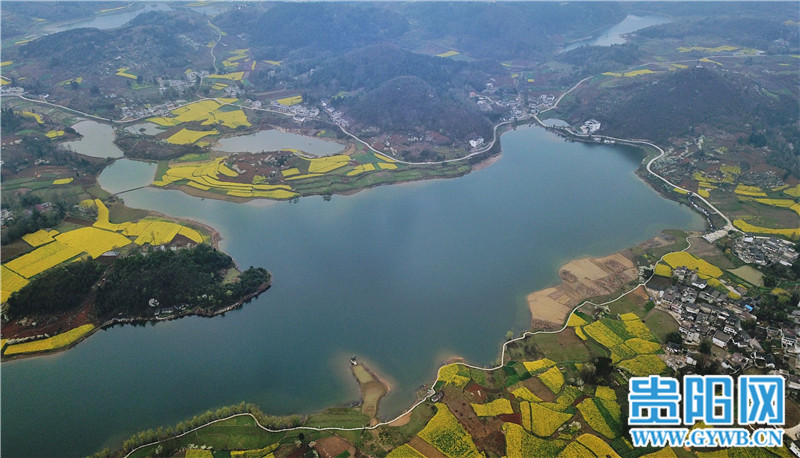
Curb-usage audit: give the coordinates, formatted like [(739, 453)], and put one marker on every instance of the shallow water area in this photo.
[(273, 140)]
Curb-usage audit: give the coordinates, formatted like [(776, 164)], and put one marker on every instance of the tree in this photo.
[(675, 337), (705, 347)]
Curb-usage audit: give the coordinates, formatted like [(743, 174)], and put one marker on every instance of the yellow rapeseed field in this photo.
[(403, 451), (631, 74), (730, 169), (747, 227), (638, 329), (198, 453), (197, 185), (52, 343), (449, 374), (92, 240), (575, 320), (682, 258), (543, 421), (42, 258), (359, 169), (54, 133), (526, 394), (191, 234), (492, 409), (553, 379), (205, 176), (33, 115), (604, 392), (235, 76), (123, 71), (663, 270), (519, 443), (187, 137), (10, 283), (643, 347), (385, 166), (447, 435), (593, 417), (704, 49), (753, 191), (327, 163), (207, 112), (290, 172), (598, 446), (644, 365), (579, 332), (576, 450), (38, 238), (102, 218), (602, 334), (538, 365), (62, 181), (706, 59), (383, 157), (289, 101), (793, 191)]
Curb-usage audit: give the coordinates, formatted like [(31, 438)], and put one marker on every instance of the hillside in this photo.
[(671, 105), (312, 29), (407, 103), (158, 41)]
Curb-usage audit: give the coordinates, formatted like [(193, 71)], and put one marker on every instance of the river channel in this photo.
[(402, 276)]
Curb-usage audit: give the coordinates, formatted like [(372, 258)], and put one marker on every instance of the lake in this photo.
[(97, 141), (402, 276), (273, 140), (614, 35), (114, 19)]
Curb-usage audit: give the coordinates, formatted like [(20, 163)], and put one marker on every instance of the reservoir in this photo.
[(614, 35), (402, 276)]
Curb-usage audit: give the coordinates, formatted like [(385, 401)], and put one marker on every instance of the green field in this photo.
[(238, 433), (563, 346), (661, 323)]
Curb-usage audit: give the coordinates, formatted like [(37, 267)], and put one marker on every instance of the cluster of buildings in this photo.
[(336, 116), (765, 250), (161, 109), (704, 313), (589, 127), (299, 112)]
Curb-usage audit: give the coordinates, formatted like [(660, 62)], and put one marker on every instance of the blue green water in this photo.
[(403, 276)]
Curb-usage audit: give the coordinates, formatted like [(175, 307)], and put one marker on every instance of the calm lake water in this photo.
[(402, 276), (108, 20), (97, 141), (127, 174), (112, 20), (614, 35), (273, 140)]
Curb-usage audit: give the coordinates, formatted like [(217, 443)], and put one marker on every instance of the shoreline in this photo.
[(110, 323), (581, 279)]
